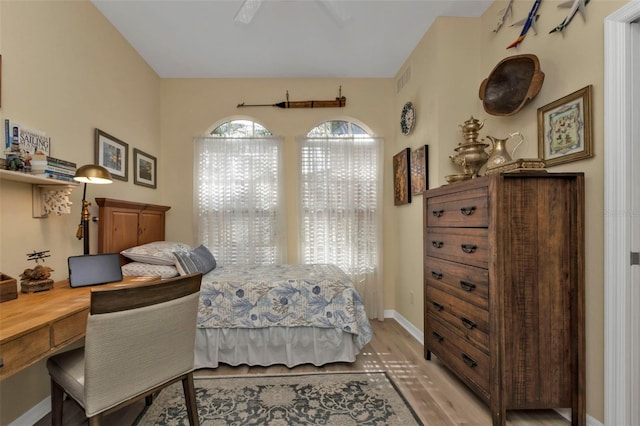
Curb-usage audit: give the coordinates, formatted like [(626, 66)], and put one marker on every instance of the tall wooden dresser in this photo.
[(504, 288)]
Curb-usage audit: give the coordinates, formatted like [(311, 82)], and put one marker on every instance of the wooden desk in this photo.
[(35, 325)]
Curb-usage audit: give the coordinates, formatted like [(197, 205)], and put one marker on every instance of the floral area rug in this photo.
[(301, 399)]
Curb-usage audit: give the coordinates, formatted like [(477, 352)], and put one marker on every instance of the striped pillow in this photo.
[(199, 259)]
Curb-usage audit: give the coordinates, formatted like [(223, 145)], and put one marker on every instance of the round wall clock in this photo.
[(407, 118)]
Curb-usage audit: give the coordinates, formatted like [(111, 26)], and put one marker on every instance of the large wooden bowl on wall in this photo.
[(512, 83)]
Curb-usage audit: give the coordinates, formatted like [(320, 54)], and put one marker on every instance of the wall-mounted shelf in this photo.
[(48, 194), (27, 178)]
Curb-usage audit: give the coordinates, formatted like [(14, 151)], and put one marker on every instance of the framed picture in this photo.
[(564, 129), (419, 172), (112, 154), (144, 169), (401, 177)]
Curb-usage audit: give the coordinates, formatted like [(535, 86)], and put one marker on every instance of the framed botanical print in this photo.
[(419, 172), (112, 154), (401, 178), (564, 129), (144, 169)]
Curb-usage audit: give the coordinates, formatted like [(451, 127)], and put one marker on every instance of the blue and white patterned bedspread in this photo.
[(257, 296)]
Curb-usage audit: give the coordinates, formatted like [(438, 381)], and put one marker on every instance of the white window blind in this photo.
[(340, 202), (239, 199)]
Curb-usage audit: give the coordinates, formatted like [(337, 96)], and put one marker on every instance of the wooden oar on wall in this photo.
[(339, 102)]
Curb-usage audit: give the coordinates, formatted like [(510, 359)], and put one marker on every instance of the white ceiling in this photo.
[(286, 38)]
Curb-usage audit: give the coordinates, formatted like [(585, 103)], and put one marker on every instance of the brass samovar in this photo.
[(471, 154)]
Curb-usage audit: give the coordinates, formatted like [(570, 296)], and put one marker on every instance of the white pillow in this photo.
[(156, 253), (138, 269)]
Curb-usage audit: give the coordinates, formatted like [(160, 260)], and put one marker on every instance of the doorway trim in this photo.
[(620, 349)]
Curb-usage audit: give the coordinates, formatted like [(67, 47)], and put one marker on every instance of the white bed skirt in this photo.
[(290, 346)]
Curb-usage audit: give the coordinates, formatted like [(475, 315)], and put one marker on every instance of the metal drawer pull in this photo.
[(468, 248), (437, 306), (437, 213), (468, 323), (438, 336), (437, 244), (469, 361), (467, 286), (436, 275), (467, 211)]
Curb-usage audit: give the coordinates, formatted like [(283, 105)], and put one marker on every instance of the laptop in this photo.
[(94, 269)]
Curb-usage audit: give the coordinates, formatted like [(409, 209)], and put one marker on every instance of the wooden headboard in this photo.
[(125, 224)]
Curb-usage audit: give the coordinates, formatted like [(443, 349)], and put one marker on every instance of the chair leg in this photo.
[(190, 399), (95, 420), (57, 396)]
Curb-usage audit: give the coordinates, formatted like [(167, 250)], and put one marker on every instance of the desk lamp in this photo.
[(89, 173)]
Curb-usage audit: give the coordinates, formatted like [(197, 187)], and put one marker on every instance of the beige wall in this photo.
[(66, 71), (454, 57), (69, 71)]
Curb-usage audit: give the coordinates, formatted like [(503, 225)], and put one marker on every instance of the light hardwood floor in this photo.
[(436, 395)]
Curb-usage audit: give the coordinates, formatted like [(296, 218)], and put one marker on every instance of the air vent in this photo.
[(403, 79)]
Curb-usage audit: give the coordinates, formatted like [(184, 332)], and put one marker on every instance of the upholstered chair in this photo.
[(139, 339)]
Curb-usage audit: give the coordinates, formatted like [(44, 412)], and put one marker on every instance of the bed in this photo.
[(260, 314), (279, 314)]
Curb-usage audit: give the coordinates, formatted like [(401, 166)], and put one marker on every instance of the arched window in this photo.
[(240, 129), (340, 204), (338, 128), (239, 205)]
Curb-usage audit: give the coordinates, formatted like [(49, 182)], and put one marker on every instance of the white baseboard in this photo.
[(419, 336), (412, 329), (34, 414)]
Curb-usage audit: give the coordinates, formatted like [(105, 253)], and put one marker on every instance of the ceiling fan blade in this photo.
[(247, 11)]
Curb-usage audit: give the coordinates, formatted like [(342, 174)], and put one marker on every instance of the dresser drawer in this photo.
[(466, 360), (470, 322), (467, 246), (459, 209), (466, 282)]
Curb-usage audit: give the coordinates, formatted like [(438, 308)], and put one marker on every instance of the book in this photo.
[(54, 175), (33, 141), (52, 160), (7, 133), (41, 159), (38, 168), (26, 141), (15, 137), (34, 159)]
